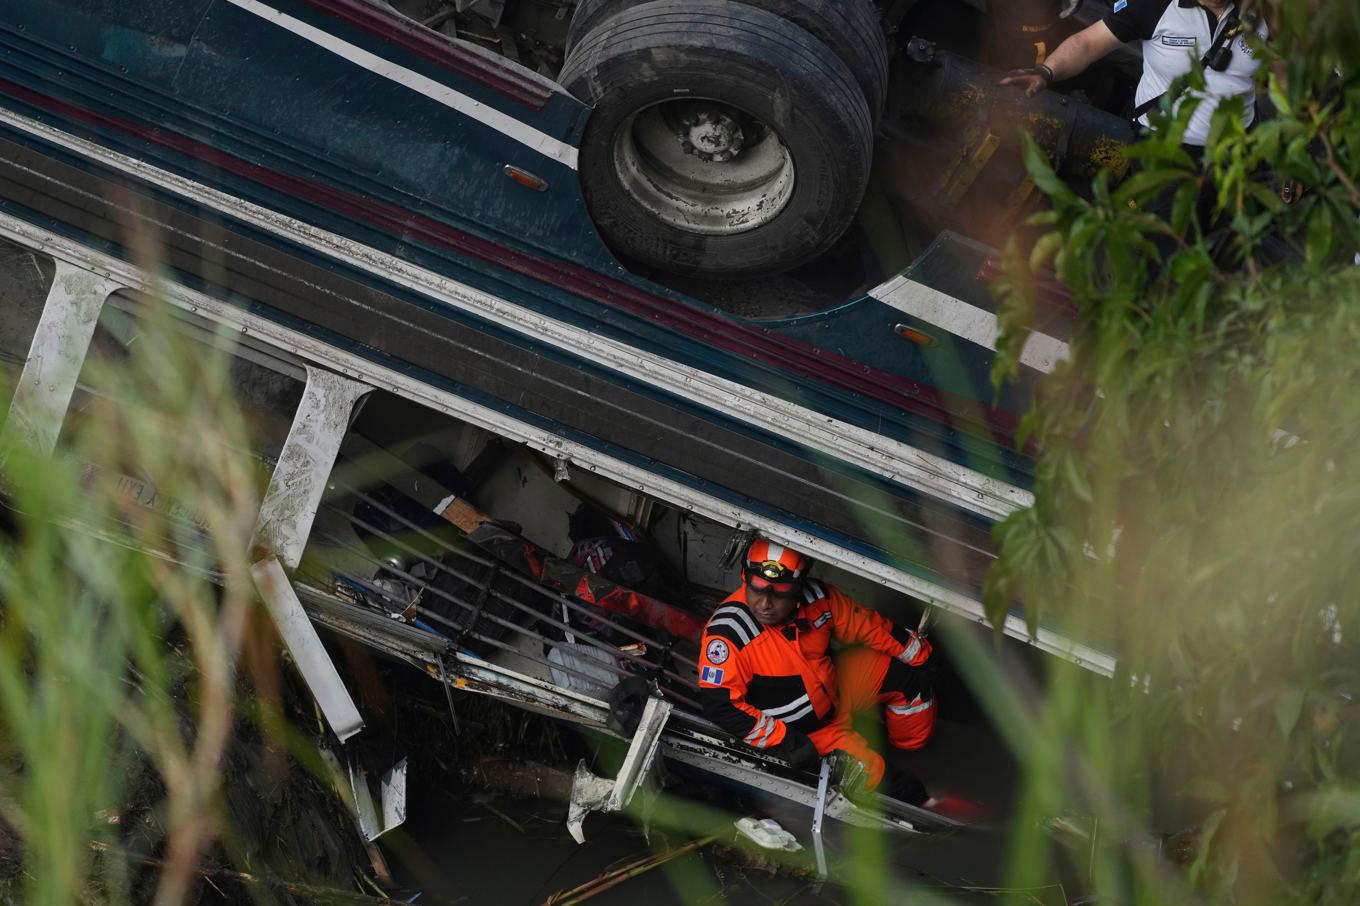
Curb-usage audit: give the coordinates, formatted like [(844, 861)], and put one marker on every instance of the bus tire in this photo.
[(851, 28), (725, 140)]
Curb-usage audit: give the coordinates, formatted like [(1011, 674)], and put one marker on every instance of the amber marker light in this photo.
[(916, 336), (525, 178)]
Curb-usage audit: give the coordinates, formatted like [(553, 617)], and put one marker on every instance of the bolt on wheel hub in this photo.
[(703, 166)]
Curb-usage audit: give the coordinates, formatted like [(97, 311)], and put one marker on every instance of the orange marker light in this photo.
[(525, 178), (916, 336)]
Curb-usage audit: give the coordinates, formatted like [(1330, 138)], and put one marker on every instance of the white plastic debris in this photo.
[(585, 669), (767, 833)]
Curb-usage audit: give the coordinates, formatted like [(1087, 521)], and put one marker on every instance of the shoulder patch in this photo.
[(821, 620), (713, 675), (716, 651), (1120, 4)]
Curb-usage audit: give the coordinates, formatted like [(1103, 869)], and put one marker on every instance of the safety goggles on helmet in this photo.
[(773, 567)]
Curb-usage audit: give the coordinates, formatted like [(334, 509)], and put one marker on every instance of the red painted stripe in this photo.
[(749, 342), (431, 45)]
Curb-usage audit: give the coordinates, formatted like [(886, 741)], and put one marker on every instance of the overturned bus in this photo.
[(397, 227)]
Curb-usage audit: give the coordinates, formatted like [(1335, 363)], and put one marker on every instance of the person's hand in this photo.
[(1291, 191), (799, 750), (849, 773), (1033, 80), (627, 700)]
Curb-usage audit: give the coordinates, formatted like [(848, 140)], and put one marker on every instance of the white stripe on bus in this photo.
[(977, 325), (483, 113)]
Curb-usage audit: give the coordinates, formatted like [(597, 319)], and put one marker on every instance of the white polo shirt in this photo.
[(1176, 33)]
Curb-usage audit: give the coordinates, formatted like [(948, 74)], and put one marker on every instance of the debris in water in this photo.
[(767, 832), (618, 875)]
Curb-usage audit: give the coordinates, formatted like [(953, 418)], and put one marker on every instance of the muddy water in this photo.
[(511, 852), (482, 846), (501, 851)]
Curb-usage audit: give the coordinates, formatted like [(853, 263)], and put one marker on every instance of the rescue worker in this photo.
[(766, 674), (1174, 34)]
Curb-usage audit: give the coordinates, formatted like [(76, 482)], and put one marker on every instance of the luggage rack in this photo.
[(487, 609)]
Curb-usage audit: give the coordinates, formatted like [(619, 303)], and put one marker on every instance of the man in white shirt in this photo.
[(1175, 33)]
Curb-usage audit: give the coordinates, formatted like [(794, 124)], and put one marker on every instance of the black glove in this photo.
[(799, 751), (626, 703), (1032, 79), (849, 774)]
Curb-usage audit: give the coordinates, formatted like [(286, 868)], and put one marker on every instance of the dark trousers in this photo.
[(1162, 203)]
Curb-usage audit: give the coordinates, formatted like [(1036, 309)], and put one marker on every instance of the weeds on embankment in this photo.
[(124, 602), (1196, 500)]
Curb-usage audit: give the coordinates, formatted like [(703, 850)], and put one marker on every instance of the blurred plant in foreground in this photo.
[(121, 618), (1197, 507)]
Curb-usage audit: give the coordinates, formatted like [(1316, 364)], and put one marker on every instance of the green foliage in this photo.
[(121, 617), (1196, 502)]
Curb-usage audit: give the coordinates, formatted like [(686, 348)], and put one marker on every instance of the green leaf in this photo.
[(1264, 195), (1183, 206), (1036, 162), (1319, 234), (1146, 182), (1044, 250), (1288, 706), (1076, 478), (1207, 830)]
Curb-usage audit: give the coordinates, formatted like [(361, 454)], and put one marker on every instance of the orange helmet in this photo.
[(773, 566)]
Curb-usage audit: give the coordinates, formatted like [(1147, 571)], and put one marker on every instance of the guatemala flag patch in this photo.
[(1120, 5), (712, 675)]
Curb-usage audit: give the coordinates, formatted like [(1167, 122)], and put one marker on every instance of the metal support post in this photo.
[(305, 463), (285, 520), (590, 793), (55, 357), (302, 642), (818, 814)]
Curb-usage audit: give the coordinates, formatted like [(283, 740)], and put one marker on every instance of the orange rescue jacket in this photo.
[(758, 682)]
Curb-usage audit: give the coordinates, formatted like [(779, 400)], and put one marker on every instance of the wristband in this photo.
[(1045, 72)]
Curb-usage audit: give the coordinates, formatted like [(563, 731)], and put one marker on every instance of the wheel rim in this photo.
[(703, 166)]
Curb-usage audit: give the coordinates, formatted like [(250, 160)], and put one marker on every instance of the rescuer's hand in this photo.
[(626, 703), (799, 750), (849, 773), (1033, 80)]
